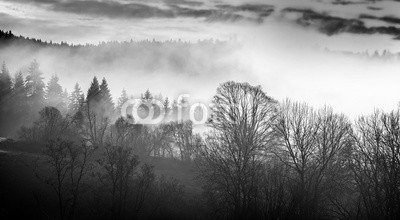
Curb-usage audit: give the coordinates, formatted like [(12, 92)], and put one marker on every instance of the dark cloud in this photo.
[(142, 10), (341, 2), (388, 19), (261, 10), (111, 9), (374, 8), (332, 25), (210, 15), (183, 2)]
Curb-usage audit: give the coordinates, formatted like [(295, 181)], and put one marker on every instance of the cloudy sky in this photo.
[(91, 21), (281, 39)]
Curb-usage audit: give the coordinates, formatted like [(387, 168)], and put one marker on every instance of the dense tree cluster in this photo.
[(86, 141), (260, 159), (286, 160)]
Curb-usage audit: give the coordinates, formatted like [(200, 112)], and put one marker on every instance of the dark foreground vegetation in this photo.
[(75, 157)]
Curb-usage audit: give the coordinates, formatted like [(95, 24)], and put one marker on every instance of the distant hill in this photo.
[(7, 38), (146, 57)]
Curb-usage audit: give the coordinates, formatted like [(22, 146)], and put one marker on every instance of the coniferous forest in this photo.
[(176, 109)]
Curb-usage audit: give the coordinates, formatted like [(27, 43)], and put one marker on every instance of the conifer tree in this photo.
[(166, 106), (106, 98), (16, 111), (76, 100), (5, 82), (147, 96), (35, 85), (19, 83), (122, 99), (65, 100), (54, 93), (19, 95), (93, 94)]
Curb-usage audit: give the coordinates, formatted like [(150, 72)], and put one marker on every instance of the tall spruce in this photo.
[(107, 104), (93, 94), (166, 107), (76, 100), (147, 96), (122, 99), (5, 82), (19, 93), (35, 85), (54, 94)]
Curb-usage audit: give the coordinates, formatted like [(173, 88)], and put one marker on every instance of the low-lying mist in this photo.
[(286, 60)]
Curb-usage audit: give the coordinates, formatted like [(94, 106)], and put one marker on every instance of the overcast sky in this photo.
[(279, 38)]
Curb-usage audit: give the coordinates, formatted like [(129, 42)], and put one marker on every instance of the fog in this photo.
[(276, 75), (290, 63), (286, 59)]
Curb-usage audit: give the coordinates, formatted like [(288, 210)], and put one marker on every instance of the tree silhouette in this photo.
[(241, 120), (54, 94), (5, 82), (106, 103), (76, 100), (93, 93)]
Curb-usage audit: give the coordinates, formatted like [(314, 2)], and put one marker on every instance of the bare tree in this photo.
[(241, 122), (376, 164), (119, 164), (95, 125), (161, 140), (310, 143), (68, 164)]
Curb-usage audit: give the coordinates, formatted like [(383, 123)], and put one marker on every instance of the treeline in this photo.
[(260, 159), (25, 94), (147, 56), (8, 38)]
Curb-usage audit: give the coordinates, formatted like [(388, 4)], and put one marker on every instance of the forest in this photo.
[(73, 156)]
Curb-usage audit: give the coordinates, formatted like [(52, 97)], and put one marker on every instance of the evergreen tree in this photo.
[(19, 91), (35, 85), (5, 82), (19, 83), (124, 98), (147, 96), (107, 104), (16, 111), (65, 100), (93, 94), (121, 101), (54, 93), (76, 100), (19, 95), (166, 107)]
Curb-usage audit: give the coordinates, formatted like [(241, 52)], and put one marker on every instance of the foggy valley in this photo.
[(199, 109)]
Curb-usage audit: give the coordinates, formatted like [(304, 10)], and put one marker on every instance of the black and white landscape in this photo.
[(199, 109)]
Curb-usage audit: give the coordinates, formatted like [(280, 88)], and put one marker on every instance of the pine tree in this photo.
[(121, 101), (106, 98), (5, 82), (19, 94), (147, 96), (93, 94), (54, 93), (65, 101), (35, 85), (76, 102), (166, 106), (17, 111), (124, 98), (19, 83)]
